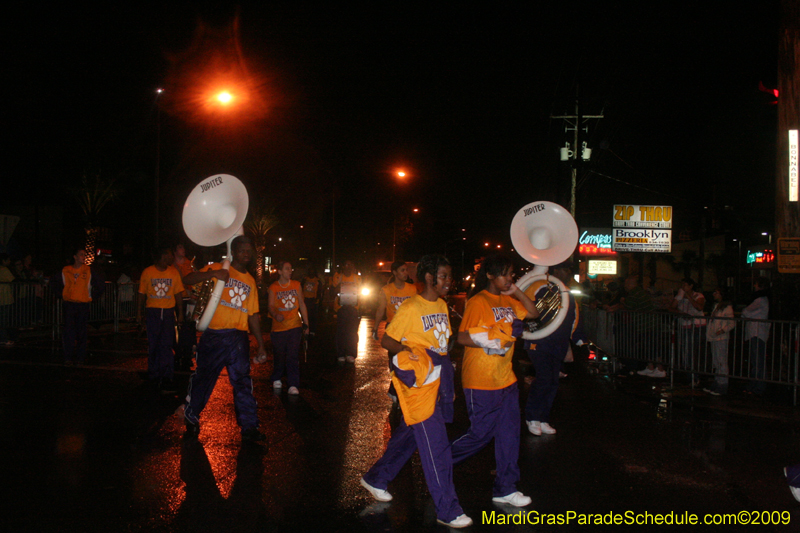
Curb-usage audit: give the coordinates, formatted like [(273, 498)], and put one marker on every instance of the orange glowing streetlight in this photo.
[(224, 98)]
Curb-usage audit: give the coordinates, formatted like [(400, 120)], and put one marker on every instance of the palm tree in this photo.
[(259, 222), (93, 195)]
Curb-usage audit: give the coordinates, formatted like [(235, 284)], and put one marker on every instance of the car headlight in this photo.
[(365, 291)]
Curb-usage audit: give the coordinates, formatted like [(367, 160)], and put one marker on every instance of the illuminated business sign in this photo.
[(793, 165), (642, 216), (789, 255), (642, 240), (765, 257), (600, 267), (595, 241)]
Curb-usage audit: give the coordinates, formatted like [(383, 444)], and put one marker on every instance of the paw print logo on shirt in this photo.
[(288, 301), (161, 289), (237, 296), (441, 335)]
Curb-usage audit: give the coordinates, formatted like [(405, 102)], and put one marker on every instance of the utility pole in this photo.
[(575, 123), (787, 209)]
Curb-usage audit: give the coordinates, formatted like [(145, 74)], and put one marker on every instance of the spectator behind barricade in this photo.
[(690, 302), (36, 277), (6, 299), (22, 292), (638, 300), (757, 333), (719, 326)]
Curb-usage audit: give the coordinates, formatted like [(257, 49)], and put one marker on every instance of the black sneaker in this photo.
[(192, 430), (253, 435)]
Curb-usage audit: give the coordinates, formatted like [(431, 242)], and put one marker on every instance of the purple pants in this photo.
[(430, 438), (543, 391), (76, 322), (493, 414), (160, 338), (286, 355), (218, 349), (347, 321)]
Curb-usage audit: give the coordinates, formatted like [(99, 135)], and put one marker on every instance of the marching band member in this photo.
[(161, 291), (225, 343), (312, 294), (390, 297), (548, 353), (285, 299), (77, 294), (347, 284), (423, 377), (491, 323)]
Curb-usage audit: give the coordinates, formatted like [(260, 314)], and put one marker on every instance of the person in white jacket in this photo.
[(717, 334), (757, 332)]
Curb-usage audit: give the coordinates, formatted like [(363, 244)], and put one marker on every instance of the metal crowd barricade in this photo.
[(679, 343), (33, 306)]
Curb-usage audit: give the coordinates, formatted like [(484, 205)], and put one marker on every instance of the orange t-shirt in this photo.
[(479, 369), (239, 300), (160, 287), (287, 300), (77, 284)]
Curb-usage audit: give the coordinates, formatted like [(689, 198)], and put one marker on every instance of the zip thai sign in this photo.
[(642, 240), (642, 216)]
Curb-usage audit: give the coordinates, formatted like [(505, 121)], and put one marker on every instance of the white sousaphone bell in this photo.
[(545, 234), (213, 214)]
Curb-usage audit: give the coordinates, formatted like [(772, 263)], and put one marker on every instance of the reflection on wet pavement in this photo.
[(106, 453)]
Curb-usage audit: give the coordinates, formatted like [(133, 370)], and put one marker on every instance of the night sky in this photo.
[(338, 98)]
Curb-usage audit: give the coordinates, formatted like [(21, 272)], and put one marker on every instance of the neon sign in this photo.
[(595, 242), (767, 256)]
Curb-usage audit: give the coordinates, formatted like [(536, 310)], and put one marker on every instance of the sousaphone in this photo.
[(213, 214), (544, 234)]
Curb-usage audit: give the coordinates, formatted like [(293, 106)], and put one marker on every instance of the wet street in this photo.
[(93, 448)]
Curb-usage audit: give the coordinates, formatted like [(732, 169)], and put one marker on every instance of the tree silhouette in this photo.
[(259, 222), (93, 195)]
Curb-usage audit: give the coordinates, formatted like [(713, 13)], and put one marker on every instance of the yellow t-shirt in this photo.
[(420, 325), (239, 300), (160, 287), (77, 284), (287, 299), (419, 322), (479, 369), (347, 286), (395, 297)]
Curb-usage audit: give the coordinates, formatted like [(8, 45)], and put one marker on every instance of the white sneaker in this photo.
[(350, 359), (646, 372), (534, 426), (277, 384), (517, 499), (379, 494), (458, 522), (547, 429), (340, 359), (293, 391), (659, 374)]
